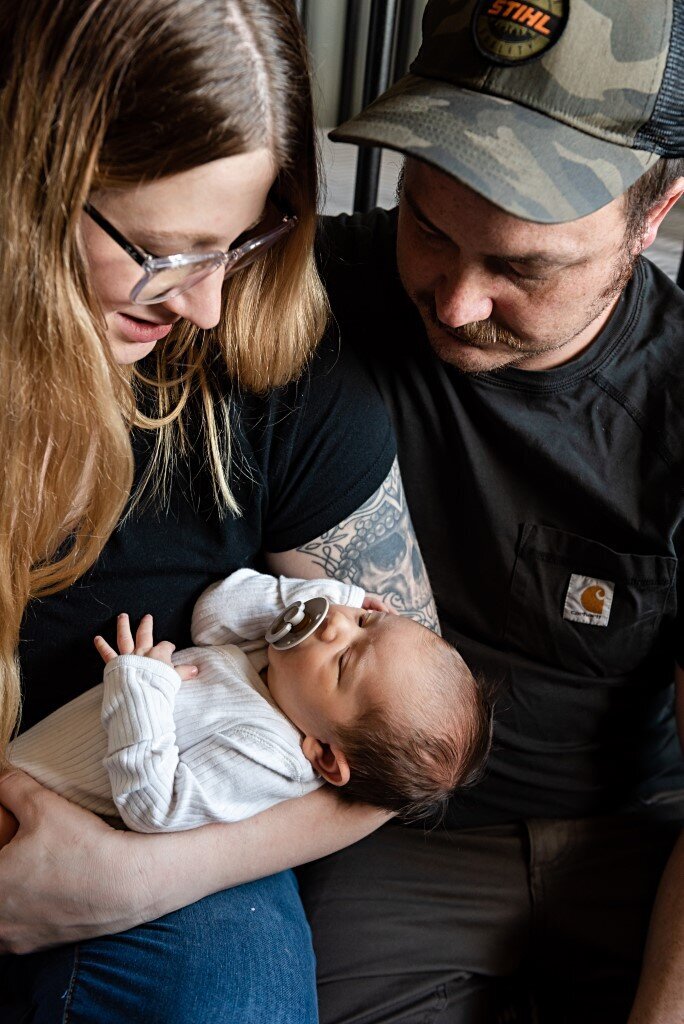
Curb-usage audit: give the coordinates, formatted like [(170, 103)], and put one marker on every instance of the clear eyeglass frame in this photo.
[(165, 277)]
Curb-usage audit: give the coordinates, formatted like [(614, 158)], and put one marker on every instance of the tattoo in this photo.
[(376, 548)]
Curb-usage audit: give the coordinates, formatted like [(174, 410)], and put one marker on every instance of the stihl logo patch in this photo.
[(512, 32), (525, 14), (588, 600)]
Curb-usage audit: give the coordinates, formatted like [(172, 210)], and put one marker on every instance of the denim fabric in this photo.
[(243, 955)]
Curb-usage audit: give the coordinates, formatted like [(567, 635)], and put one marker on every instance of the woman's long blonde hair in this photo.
[(108, 94)]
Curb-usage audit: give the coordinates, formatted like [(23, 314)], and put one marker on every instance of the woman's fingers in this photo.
[(106, 652), (124, 638), (18, 791), (65, 875)]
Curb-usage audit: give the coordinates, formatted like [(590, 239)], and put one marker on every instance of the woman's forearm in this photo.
[(66, 876), (284, 836)]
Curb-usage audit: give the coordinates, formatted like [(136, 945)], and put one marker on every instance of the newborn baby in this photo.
[(370, 702)]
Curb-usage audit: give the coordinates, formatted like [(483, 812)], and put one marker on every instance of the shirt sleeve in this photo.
[(227, 775), (243, 606), (336, 454)]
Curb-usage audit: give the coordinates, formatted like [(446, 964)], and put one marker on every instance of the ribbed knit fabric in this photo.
[(166, 755)]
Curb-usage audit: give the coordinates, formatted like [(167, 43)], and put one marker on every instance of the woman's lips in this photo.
[(134, 329)]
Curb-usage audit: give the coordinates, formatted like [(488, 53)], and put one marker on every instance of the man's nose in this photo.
[(202, 303), (462, 296)]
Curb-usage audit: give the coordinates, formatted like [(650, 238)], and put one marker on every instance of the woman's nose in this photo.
[(202, 303)]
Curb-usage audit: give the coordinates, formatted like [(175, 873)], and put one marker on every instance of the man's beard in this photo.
[(488, 336)]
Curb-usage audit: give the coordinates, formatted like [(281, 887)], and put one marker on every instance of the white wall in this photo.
[(325, 32)]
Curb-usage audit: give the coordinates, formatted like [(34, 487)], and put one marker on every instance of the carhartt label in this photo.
[(588, 600)]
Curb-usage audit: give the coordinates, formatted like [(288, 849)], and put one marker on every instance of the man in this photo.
[(532, 364)]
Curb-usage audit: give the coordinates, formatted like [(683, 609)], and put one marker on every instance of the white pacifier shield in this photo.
[(296, 623)]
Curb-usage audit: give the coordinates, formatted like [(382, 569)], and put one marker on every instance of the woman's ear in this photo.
[(327, 760)]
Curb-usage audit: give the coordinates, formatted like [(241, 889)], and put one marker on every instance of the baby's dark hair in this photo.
[(412, 759)]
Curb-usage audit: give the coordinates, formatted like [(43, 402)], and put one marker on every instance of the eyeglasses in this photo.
[(164, 277)]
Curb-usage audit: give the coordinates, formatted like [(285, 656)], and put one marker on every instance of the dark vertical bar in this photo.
[(351, 35), (300, 7), (402, 52), (375, 81), (680, 275)]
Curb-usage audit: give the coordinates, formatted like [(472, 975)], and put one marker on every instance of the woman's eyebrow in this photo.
[(182, 239), (168, 237)]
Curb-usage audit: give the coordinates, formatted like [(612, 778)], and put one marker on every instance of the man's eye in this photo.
[(519, 276), (429, 232)]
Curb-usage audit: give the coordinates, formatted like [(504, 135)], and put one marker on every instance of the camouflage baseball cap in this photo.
[(548, 109)]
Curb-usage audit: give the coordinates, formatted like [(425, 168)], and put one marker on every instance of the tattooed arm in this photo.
[(375, 548)]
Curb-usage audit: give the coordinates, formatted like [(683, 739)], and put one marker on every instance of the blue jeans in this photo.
[(243, 956)]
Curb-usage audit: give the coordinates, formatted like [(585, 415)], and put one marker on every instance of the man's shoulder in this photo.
[(646, 372), (652, 329)]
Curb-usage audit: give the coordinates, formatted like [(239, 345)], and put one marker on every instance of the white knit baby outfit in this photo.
[(166, 755)]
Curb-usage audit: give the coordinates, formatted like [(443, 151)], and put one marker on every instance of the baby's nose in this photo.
[(335, 625)]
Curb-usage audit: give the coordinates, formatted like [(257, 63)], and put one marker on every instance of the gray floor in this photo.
[(339, 161)]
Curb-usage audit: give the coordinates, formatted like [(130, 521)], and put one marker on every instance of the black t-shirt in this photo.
[(523, 486), (304, 458)]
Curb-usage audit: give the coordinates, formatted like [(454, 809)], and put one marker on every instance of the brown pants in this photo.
[(539, 922)]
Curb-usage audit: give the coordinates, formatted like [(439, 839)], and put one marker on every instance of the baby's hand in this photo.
[(375, 604), (143, 645)]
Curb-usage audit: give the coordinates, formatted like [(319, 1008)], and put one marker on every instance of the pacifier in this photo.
[(296, 623)]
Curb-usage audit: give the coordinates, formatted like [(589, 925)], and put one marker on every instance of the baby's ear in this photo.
[(327, 760)]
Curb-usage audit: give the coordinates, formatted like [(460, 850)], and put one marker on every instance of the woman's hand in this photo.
[(65, 875)]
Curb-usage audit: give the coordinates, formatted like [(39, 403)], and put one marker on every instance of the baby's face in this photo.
[(354, 658)]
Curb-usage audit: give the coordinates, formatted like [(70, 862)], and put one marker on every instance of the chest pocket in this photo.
[(629, 593)]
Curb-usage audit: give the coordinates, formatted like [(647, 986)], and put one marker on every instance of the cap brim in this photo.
[(523, 161)]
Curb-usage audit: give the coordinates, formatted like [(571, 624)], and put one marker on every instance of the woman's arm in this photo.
[(67, 876)]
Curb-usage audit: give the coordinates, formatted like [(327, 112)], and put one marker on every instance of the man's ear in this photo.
[(328, 761), (658, 213)]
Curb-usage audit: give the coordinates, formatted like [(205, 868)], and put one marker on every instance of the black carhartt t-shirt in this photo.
[(549, 508), (304, 458)]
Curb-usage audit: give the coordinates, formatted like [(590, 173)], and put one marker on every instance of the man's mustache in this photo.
[(480, 333)]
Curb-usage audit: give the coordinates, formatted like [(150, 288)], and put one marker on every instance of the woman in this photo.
[(164, 127)]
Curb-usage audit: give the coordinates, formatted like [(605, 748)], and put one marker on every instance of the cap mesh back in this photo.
[(663, 133)]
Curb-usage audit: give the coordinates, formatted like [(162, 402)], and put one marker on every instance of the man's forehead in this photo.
[(449, 204)]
